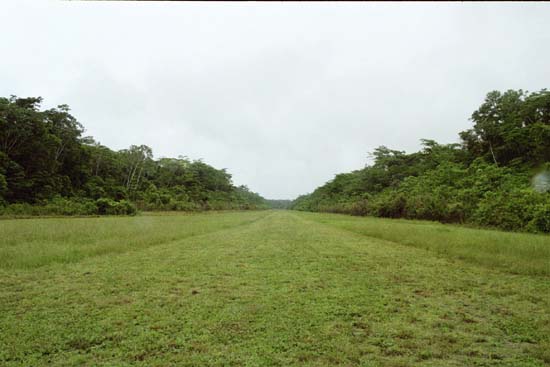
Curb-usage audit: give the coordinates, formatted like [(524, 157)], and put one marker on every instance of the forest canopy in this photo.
[(498, 175), (47, 166)]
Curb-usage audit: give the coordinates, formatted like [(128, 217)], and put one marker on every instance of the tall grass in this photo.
[(517, 253), (36, 242), (31, 243)]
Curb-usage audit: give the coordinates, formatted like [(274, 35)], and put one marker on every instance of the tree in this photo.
[(511, 127), (486, 180), (43, 156), (135, 159)]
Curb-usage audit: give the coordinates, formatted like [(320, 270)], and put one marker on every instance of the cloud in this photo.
[(282, 95)]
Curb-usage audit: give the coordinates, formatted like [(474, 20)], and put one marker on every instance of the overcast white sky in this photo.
[(282, 95)]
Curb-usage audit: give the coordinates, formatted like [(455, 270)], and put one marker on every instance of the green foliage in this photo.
[(3, 186), (55, 206), (279, 204), (110, 207), (511, 210), (511, 127), (43, 155), (541, 217), (487, 181), (60, 206)]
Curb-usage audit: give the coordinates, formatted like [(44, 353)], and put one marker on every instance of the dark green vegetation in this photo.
[(270, 288), (279, 204), (48, 168), (498, 176)]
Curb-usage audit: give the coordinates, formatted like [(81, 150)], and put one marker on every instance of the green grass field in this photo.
[(270, 288)]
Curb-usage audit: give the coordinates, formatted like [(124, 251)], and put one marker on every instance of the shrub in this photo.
[(105, 206), (110, 207), (360, 207), (541, 218), (425, 206), (17, 209), (390, 204), (55, 206), (124, 207), (511, 210), (64, 206), (3, 186)]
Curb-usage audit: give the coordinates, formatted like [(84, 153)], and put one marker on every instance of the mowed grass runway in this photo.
[(270, 288)]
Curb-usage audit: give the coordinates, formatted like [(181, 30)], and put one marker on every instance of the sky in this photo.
[(282, 95)]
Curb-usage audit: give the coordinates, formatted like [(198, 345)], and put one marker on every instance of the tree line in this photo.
[(47, 166), (497, 176), (279, 203)]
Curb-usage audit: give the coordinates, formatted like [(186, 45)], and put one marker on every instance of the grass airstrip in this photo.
[(270, 288)]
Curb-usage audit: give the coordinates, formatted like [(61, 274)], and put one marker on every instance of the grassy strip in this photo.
[(516, 253), (278, 291), (37, 242)]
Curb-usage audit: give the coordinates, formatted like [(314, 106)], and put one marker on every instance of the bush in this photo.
[(18, 209), (110, 207), (541, 218), (389, 204), (55, 206), (3, 186), (70, 207), (425, 206), (64, 206), (105, 206), (124, 207), (512, 210), (360, 207)]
